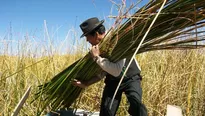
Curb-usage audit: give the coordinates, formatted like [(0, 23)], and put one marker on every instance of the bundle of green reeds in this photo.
[(178, 20)]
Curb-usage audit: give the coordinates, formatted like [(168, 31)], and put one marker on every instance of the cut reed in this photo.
[(177, 20)]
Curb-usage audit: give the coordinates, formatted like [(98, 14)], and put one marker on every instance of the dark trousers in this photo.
[(132, 89)]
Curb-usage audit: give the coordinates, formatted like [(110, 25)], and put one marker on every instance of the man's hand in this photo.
[(95, 51), (79, 83)]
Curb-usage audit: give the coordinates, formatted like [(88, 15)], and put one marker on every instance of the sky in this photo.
[(28, 17)]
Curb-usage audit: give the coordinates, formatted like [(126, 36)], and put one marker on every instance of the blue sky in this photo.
[(27, 16)]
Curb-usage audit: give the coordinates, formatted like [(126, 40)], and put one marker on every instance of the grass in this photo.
[(169, 77), (170, 31), (174, 78)]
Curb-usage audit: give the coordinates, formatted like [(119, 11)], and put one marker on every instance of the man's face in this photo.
[(93, 40)]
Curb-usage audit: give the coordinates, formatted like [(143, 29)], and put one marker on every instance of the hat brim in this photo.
[(96, 25)]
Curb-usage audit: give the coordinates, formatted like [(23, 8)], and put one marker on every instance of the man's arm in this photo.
[(92, 81), (84, 84), (110, 67)]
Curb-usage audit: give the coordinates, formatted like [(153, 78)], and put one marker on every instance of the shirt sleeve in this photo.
[(110, 67)]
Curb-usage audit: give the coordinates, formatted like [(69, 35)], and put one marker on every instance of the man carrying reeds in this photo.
[(94, 31)]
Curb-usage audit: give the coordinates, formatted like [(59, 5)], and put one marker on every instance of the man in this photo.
[(94, 31)]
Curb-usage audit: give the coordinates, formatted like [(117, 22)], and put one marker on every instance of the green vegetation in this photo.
[(175, 28), (169, 77)]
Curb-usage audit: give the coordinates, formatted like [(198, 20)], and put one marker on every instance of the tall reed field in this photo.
[(169, 77)]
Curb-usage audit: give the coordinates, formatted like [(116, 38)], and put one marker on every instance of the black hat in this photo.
[(89, 25)]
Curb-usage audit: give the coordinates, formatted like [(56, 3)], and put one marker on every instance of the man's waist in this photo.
[(126, 77)]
